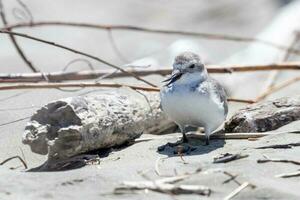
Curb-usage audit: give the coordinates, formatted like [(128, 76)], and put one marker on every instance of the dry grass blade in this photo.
[(77, 52), (159, 31), (15, 157), (273, 75), (277, 88), (232, 177), (238, 190), (14, 121)]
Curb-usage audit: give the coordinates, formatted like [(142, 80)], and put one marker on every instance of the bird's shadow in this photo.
[(195, 146)]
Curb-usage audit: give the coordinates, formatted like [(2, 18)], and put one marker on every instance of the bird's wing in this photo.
[(220, 95)]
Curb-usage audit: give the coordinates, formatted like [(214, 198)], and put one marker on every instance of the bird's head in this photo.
[(186, 62)]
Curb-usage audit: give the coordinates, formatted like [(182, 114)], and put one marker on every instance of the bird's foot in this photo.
[(180, 147), (206, 141)]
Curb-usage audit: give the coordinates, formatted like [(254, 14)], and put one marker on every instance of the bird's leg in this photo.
[(207, 135), (180, 146), (183, 131), (207, 139)]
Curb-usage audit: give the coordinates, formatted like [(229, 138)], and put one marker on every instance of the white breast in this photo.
[(195, 108)]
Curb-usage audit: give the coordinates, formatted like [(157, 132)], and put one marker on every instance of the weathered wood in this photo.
[(75, 125), (266, 116)]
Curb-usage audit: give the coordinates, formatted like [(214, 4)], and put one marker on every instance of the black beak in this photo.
[(175, 76)]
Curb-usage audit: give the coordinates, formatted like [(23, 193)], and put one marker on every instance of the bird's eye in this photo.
[(192, 66)]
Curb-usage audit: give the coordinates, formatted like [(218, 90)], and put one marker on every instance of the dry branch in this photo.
[(227, 157), (276, 88), (77, 52), (72, 85), (273, 75), (94, 74), (278, 160), (165, 185), (288, 175), (238, 190), (233, 136), (232, 177), (217, 136), (152, 30), (15, 157), (14, 41), (280, 146), (87, 84)]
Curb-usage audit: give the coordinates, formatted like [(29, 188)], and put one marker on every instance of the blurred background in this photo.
[(242, 18)]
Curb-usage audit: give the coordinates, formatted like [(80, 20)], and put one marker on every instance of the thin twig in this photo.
[(115, 47), (157, 167), (20, 108), (278, 160), (26, 9), (249, 101), (277, 88), (93, 74), (72, 85), (237, 190), (232, 135), (77, 52), (88, 84), (165, 185), (14, 41), (273, 75), (237, 136), (152, 30), (288, 175), (13, 96), (227, 157), (280, 146), (14, 157), (232, 177), (89, 64), (14, 121)]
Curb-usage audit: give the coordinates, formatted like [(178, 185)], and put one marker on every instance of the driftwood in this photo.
[(72, 126), (68, 127), (227, 157), (266, 116), (165, 185)]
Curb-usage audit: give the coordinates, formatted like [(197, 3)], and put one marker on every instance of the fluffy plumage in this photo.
[(191, 97)]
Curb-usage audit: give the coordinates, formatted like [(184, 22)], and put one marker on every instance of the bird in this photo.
[(190, 97)]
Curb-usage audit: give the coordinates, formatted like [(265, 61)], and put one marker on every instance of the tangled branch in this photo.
[(14, 41), (210, 36), (94, 74), (77, 52)]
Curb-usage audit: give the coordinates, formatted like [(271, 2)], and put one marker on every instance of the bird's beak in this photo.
[(175, 76)]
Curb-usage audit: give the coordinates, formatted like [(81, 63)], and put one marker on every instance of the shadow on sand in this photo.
[(193, 147)]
